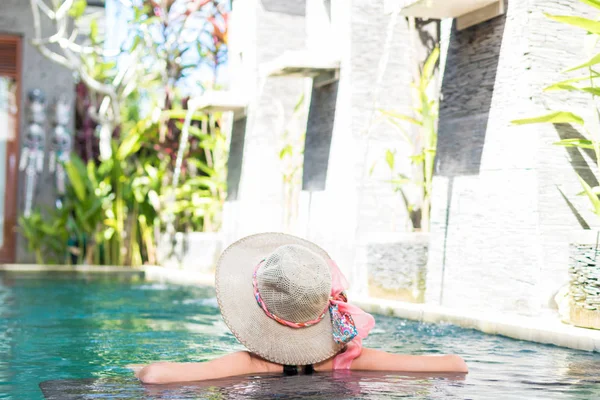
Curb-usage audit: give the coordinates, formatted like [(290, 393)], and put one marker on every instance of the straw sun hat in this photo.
[(268, 277)]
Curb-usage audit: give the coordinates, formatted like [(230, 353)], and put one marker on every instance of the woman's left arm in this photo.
[(376, 360), (240, 363)]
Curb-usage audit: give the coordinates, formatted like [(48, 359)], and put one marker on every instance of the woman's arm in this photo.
[(244, 363), (241, 363), (376, 360)]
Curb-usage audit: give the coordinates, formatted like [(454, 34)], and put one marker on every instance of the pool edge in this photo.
[(69, 268), (546, 330)]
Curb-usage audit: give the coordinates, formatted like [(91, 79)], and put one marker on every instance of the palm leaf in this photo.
[(593, 197), (403, 117), (581, 143), (557, 117), (588, 24), (593, 3), (591, 62)]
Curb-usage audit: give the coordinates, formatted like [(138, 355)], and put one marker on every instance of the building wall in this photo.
[(37, 73), (500, 227), (263, 30), (341, 202)]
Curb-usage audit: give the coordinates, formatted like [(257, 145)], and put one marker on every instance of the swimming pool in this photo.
[(74, 335)]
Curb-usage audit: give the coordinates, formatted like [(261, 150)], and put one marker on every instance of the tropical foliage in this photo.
[(118, 201), (423, 145), (291, 156)]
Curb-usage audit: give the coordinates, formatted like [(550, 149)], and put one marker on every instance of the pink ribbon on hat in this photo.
[(363, 321), (350, 324)]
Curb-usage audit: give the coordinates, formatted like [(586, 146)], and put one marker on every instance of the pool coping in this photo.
[(547, 329), (70, 268), (152, 273)]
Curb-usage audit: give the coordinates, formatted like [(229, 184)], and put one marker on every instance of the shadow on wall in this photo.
[(289, 7), (236, 158), (566, 131), (579, 164), (319, 132), (467, 89)]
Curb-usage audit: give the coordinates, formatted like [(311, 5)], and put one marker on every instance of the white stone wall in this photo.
[(500, 226), (263, 30), (376, 57)]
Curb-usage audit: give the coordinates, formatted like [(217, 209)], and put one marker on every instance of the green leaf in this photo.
[(201, 165), (91, 173), (593, 3), (581, 143), (389, 159), (591, 62), (299, 103), (94, 30), (180, 114), (75, 179), (403, 117), (136, 42), (592, 90), (557, 117), (430, 64), (287, 150), (372, 169), (591, 195), (77, 9), (566, 84), (418, 158), (400, 181), (588, 89), (129, 146), (579, 22), (202, 181), (595, 189)]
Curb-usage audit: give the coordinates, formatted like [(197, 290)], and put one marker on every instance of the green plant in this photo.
[(45, 235), (585, 84), (291, 156), (423, 145), (200, 197), (115, 205)]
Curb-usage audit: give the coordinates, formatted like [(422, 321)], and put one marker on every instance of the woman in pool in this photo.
[(283, 298)]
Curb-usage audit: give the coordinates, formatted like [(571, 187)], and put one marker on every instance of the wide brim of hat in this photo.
[(247, 321)]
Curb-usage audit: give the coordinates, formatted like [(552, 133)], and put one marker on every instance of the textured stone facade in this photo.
[(37, 73), (500, 228), (346, 136), (262, 30)]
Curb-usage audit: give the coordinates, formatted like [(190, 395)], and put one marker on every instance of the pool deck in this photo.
[(545, 329)]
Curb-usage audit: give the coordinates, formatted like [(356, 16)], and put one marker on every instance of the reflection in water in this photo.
[(338, 385), (76, 334)]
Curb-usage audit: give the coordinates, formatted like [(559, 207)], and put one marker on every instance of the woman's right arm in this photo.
[(240, 363)]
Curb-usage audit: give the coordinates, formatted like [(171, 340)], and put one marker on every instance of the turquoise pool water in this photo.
[(74, 334)]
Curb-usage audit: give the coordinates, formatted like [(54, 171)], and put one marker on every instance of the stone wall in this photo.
[(500, 224), (37, 73), (265, 29), (341, 202)]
